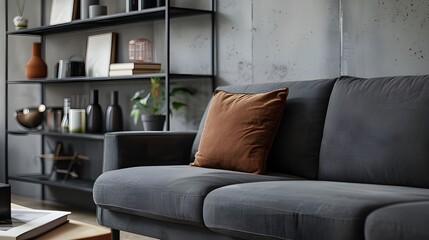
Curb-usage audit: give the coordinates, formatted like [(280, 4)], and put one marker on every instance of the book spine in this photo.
[(134, 66)]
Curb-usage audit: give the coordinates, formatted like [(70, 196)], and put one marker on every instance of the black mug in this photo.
[(77, 69)]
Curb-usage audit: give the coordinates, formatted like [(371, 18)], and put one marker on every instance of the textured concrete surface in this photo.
[(273, 40), (386, 37)]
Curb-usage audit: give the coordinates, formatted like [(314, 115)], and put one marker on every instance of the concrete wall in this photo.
[(277, 40), (385, 37)]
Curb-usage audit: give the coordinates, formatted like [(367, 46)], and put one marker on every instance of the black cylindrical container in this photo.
[(114, 120), (94, 115)]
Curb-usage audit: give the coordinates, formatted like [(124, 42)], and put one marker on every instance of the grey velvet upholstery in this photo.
[(406, 221), (170, 193), (361, 144), (130, 149), (377, 131), (156, 228), (300, 209), (297, 144)]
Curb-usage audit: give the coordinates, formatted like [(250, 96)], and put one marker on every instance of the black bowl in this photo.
[(31, 117)]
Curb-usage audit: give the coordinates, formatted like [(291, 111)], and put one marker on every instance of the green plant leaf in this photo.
[(182, 91), (135, 113), (154, 101), (178, 105), (155, 111), (144, 101), (136, 96)]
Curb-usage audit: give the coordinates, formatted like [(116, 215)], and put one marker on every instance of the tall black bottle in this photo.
[(94, 115), (114, 120)]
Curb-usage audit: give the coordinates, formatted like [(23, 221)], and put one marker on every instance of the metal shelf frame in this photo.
[(86, 136), (76, 184), (106, 79), (150, 14), (165, 13)]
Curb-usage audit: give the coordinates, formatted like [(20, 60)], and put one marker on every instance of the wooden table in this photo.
[(75, 230)]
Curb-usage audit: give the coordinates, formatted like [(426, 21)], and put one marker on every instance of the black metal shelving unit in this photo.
[(165, 13)]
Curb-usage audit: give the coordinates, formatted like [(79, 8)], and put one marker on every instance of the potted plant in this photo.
[(153, 104)]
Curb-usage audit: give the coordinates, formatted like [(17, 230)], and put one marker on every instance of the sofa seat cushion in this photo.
[(171, 193), (405, 221), (300, 209)]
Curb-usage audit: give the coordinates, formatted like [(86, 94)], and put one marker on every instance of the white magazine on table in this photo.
[(29, 223)]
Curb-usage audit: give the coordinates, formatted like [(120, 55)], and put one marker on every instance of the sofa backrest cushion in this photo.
[(377, 131), (296, 147)]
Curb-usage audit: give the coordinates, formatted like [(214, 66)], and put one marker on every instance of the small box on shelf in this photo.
[(140, 50)]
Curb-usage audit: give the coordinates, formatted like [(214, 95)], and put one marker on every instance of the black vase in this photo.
[(114, 121), (94, 115)]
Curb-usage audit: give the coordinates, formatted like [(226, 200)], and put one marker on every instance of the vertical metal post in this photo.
[(42, 91), (42, 12), (42, 137), (167, 62), (6, 135), (341, 26), (214, 63)]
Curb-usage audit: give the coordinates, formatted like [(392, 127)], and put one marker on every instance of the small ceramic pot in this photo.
[(20, 22), (97, 10), (153, 122)]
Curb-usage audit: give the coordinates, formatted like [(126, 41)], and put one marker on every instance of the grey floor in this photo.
[(81, 215)]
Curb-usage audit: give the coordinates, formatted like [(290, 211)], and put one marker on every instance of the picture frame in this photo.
[(100, 53), (63, 11)]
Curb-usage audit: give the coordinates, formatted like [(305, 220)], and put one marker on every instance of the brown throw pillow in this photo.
[(239, 130)]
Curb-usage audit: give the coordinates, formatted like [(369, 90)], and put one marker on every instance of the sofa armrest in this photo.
[(129, 149)]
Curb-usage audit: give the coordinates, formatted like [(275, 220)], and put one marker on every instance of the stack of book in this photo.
[(128, 69), (28, 223)]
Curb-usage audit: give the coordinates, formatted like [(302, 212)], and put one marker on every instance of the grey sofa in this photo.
[(350, 161)]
